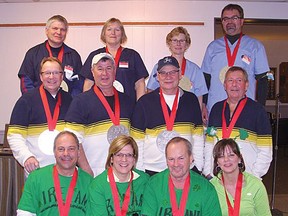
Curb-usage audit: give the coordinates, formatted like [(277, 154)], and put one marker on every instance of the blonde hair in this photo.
[(113, 20)]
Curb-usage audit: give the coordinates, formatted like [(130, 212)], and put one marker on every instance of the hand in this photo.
[(31, 164), (205, 115)]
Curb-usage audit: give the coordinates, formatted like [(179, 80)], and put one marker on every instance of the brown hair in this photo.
[(233, 7), (219, 149), (50, 59), (176, 31)]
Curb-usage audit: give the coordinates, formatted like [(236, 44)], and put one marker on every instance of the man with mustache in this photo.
[(234, 49)]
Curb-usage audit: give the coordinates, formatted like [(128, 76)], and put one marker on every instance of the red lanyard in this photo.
[(125, 204), (169, 120), (231, 58), (64, 207), (50, 121), (115, 118), (175, 210), (226, 132), (60, 54), (183, 66), (118, 54), (236, 210)]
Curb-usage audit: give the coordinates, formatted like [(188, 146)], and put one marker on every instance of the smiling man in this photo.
[(178, 190), (234, 49), (163, 114), (37, 118), (239, 117), (58, 189), (56, 30), (99, 115)]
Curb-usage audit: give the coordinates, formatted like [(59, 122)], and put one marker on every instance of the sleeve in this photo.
[(75, 120), (212, 207), (153, 82), (200, 87), (261, 202), (261, 64), (86, 68), (206, 63), (138, 132), (141, 70), (264, 144), (149, 206), (17, 131), (77, 82), (198, 137), (96, 200), (28, 202)]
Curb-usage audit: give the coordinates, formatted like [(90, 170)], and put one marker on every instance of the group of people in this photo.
[(121, 135)]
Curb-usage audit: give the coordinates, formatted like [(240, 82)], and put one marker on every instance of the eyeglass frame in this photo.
[(171, 73), (128, 156), (233, 19), (176, 41), (48, 73)]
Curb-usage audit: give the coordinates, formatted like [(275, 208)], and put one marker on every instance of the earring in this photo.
[(240, 165), (218, 169)]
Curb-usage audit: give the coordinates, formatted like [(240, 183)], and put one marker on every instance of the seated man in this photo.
[(58, 189), (179, 186)]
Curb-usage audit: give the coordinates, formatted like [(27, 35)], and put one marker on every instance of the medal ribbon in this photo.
[(231, 58), (183, 66), (175, 210), (64, 208), (236, 210), (125, 204), (118, 54), (50, 121), (169, 120), (115, 118), (226, 132), (60, 54)]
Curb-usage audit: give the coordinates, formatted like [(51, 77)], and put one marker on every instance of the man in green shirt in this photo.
[(178, 190), (57, 189)]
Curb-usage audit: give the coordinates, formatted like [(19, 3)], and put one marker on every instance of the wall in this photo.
[(149, 41)]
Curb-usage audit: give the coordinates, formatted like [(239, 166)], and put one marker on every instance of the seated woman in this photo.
[(239, 192), (119, 189)]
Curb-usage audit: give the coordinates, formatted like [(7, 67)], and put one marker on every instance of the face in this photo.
[(51, 76), (123, 161), (104, 74), (178, 160), (56, 34), (169, 77), (235, 85), (66, 153), (232, 26), (228, 161), (113, 34), (178, 44)]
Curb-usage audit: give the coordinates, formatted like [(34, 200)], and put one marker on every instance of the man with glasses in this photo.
[(56, 30), (60, 188), (37, 118), (99, 115), (234, 49), (163, 114)]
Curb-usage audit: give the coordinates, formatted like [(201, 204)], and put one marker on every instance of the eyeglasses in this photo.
[(175, 41), (122, 155), (166, 73), (48, 73), (233, 18)]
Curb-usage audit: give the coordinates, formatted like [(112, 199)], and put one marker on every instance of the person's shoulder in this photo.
[(42, 172), (95, 52), (85, 175), (99, 180), (146, 98), (142, 174), (37, 47)]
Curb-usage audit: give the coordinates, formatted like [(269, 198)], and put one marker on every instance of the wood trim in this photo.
[(10, 25)]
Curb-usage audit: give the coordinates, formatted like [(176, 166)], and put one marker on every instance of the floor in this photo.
[(281, 182)]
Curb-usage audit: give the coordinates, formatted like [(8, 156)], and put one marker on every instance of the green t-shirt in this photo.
[(100, 200), (202, 197), (39, 194)]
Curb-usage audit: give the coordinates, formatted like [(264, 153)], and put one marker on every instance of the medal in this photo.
[(185, 83), (116, 130), (222, 73), (118, 86), (46, 141), (164, 137)]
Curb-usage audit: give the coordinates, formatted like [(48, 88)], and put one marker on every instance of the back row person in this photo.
[(131, 71), (234, 49), (192, 78), (56, 30)]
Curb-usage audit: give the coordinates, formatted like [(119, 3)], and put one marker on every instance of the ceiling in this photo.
[(30, 1)]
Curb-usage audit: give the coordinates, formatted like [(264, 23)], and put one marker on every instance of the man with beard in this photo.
[(234, 49)]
